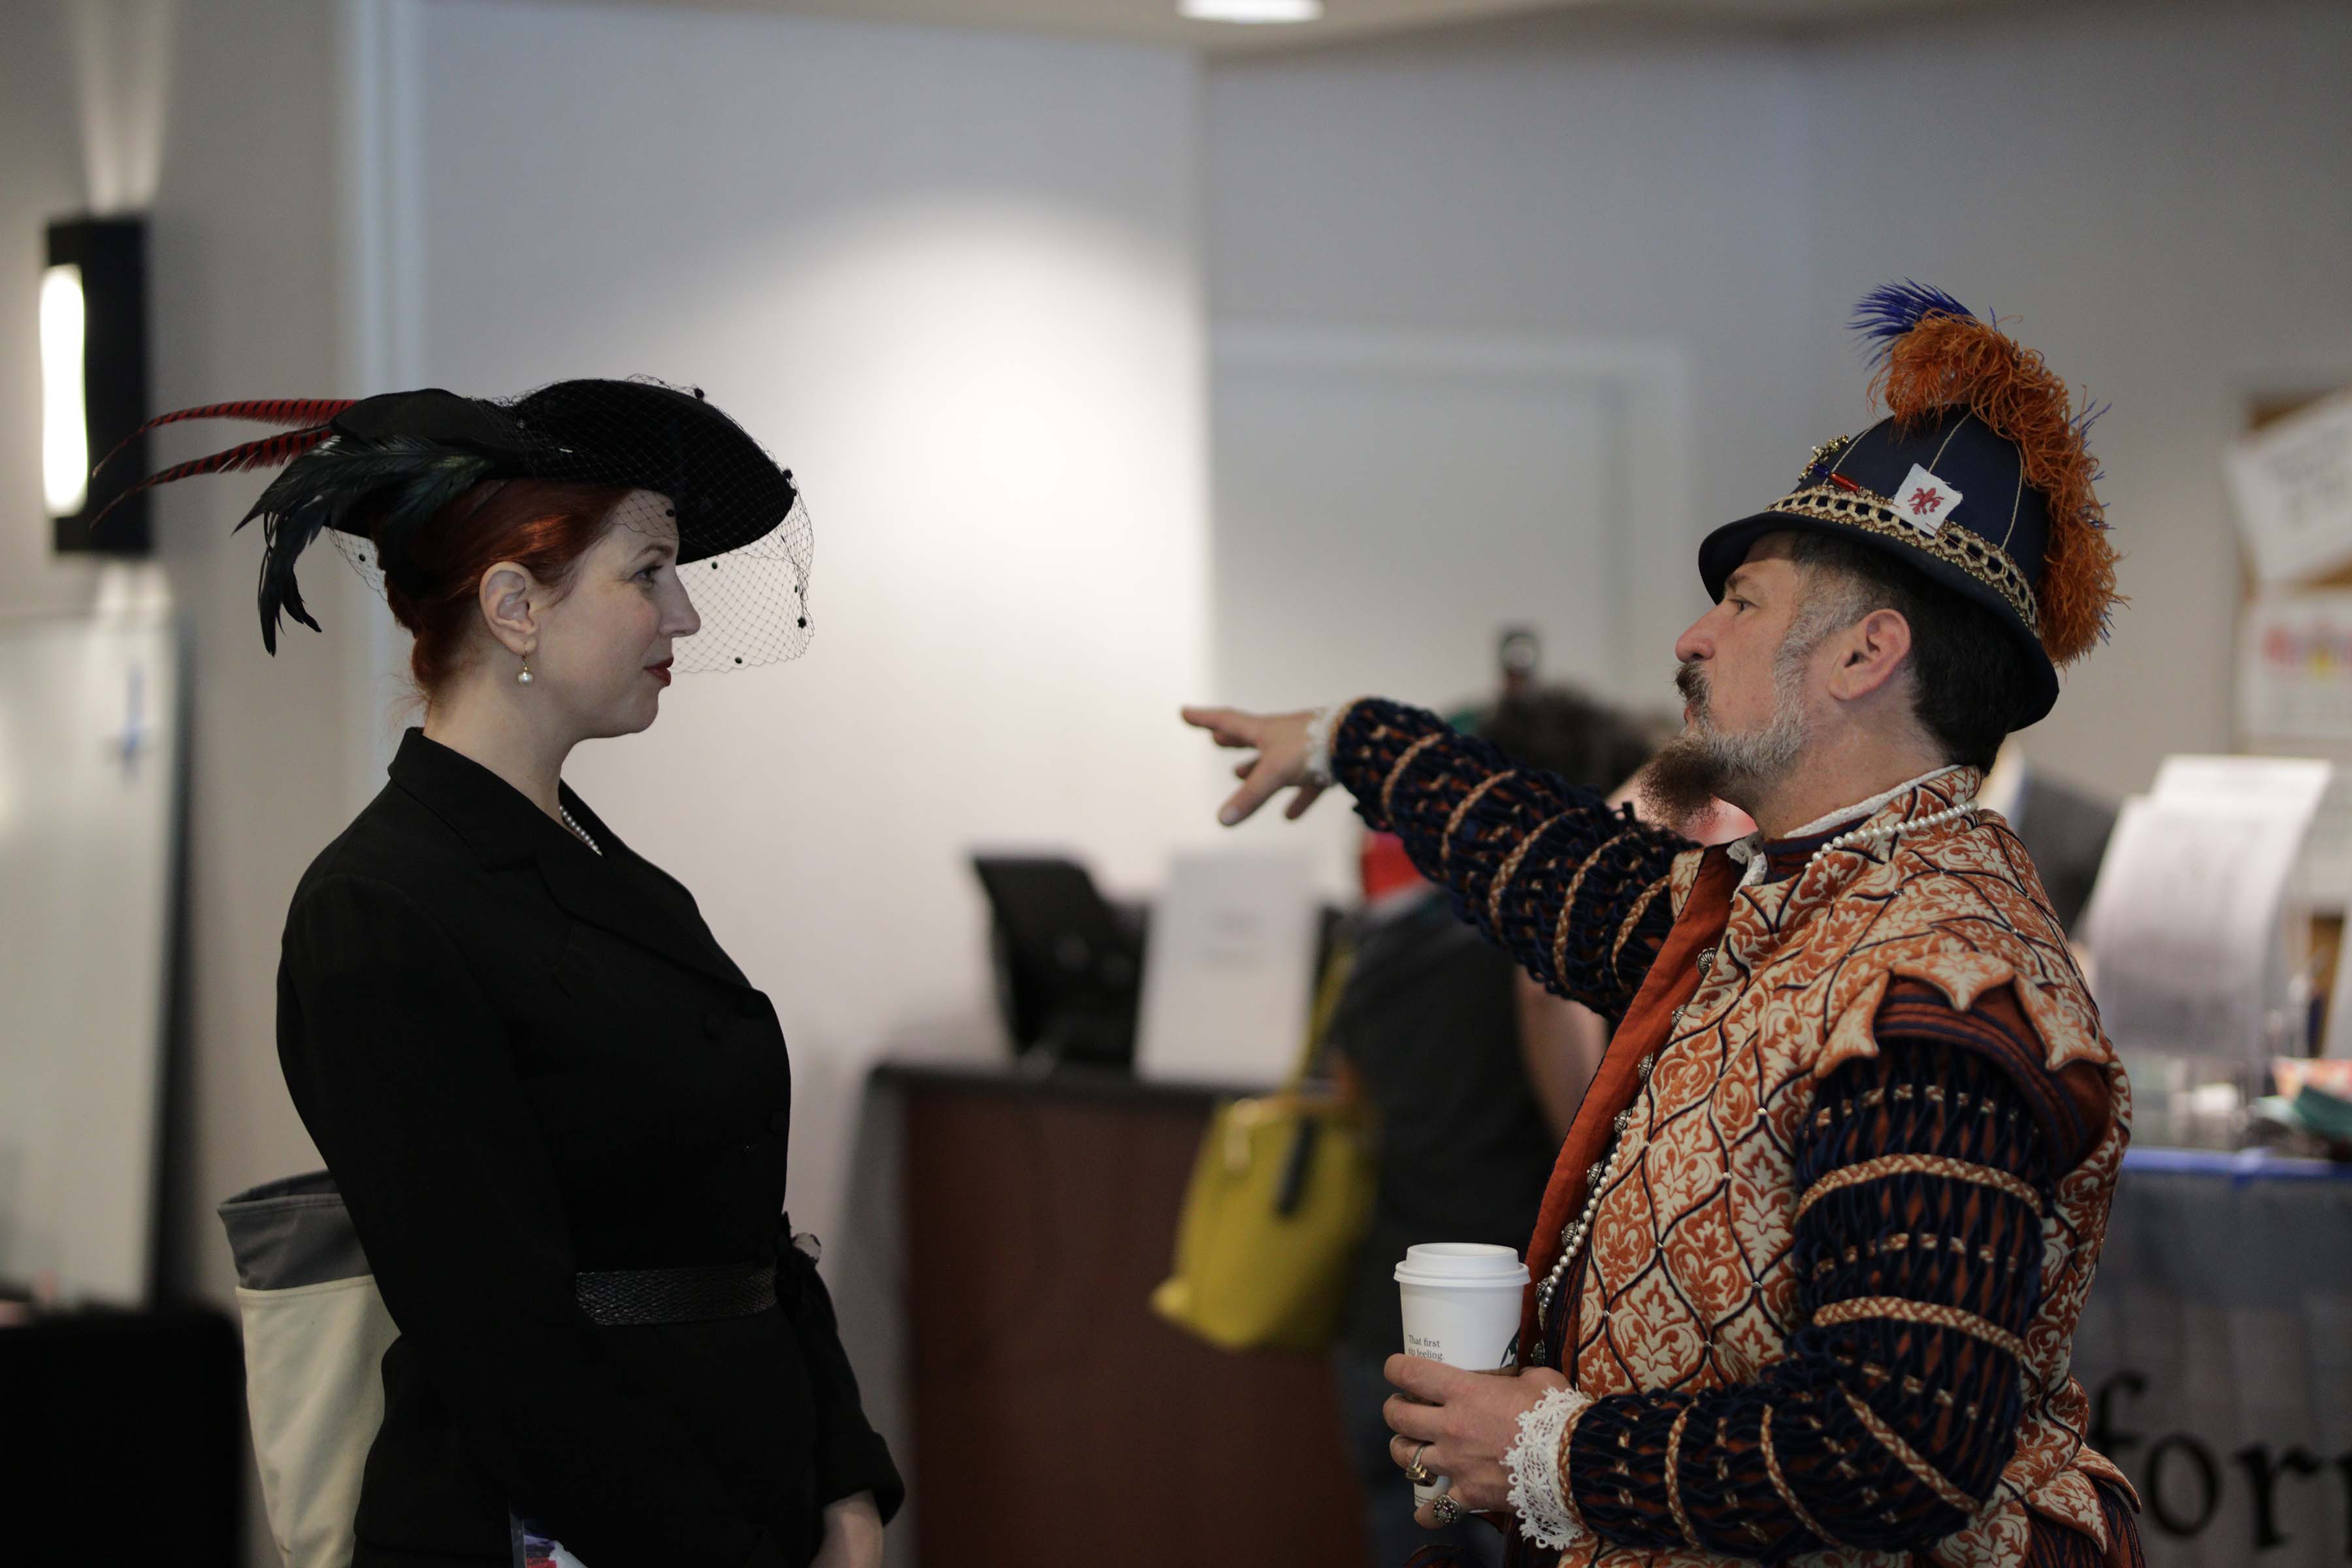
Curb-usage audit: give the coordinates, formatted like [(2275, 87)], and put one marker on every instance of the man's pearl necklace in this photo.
[(1866, 835)]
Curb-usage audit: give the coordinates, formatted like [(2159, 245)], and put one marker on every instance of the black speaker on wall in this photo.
[(94, 381)]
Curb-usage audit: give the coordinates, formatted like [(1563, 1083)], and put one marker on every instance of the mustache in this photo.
[(1690, 679)]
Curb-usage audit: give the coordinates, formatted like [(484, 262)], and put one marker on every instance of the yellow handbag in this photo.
[(1279, 1204)]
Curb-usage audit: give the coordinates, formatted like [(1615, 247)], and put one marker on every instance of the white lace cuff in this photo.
[(1319, 745), (1538, 1471)]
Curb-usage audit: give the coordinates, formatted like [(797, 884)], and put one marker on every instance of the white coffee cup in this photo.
[(1462, 1301)]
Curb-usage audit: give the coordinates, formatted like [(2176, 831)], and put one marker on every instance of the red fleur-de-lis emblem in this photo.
[(1925, 499)]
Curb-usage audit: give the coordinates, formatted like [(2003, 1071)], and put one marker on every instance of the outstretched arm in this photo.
[(1574, 890)]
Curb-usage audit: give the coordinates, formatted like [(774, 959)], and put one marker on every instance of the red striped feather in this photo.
[(307, 412), (269, 452)]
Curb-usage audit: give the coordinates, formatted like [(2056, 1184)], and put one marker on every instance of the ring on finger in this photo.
[(1415, 1471), (1443, 1508)]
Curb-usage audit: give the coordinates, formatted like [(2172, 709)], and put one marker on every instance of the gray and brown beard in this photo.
[(1703, 765)]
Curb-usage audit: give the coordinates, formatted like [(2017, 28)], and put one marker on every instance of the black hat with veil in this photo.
[(373, 472)]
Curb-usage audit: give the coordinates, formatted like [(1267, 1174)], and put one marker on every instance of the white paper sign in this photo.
[(2294, 694), (2312, 790), (1228, 976), (2291, 483), (2291, 785), (2185, 925), (2295, 668)]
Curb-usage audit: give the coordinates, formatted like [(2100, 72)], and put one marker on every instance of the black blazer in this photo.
[(522, 1060)]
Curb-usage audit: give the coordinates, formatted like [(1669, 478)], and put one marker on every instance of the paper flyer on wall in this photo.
[(2295, 668), (2295, 697), (1230, 971), (2291, 482)]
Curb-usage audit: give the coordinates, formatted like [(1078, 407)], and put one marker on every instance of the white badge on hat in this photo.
[(1924, 501)]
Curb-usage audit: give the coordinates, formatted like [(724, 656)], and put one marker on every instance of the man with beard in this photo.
[(1809, 1265)]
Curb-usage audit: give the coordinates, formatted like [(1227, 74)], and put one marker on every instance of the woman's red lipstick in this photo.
[(660, 671)]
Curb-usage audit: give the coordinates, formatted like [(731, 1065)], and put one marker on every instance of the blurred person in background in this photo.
[(1472, 1073), (1809, 1270), (556, 1109)]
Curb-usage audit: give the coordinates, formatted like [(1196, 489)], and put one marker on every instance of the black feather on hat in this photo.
[(378, 468)]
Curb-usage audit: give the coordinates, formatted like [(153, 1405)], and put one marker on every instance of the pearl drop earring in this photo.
[(522, 677)]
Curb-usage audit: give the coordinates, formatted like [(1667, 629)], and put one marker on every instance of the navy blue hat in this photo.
[(1978, 479)]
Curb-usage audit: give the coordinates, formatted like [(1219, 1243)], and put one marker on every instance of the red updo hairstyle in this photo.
[(540, 526)]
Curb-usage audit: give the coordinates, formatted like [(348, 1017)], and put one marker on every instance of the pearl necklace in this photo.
[(1602, 1174), (1598, 1176), (1865, 835), (578, 831)]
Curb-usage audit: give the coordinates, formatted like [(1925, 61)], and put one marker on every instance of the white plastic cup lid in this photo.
[(1473, 1264)]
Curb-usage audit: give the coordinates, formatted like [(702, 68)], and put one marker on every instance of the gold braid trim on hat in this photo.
[(1873, 513)]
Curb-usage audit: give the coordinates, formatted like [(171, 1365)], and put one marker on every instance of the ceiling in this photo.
[(1157, 22)]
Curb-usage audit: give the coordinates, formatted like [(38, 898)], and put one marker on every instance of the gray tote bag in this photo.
[(315, 1334)]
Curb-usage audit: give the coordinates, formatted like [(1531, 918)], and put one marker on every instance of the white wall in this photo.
[(222, 127), (2157, 189), (1556, 183), (224, 132), (2160, 195), (951, 280), (48, 178), (247, 301)]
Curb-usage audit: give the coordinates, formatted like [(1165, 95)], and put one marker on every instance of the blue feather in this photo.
[(1886, 313), (2082, 422)]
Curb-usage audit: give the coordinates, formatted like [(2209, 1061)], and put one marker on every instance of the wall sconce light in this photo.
[(94, 381)]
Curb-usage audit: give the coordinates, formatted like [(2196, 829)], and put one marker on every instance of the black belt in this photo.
[(615, 1296)]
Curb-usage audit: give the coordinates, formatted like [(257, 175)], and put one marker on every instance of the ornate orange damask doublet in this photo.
[(1689, 1281)]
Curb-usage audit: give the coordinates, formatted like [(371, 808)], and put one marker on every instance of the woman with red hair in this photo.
[(556, 1109)]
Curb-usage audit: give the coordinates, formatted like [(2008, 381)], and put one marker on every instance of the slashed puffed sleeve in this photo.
[(406, 1081)]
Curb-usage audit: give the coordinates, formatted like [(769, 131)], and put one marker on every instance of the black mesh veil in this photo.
[(752, 600), (372, 473)]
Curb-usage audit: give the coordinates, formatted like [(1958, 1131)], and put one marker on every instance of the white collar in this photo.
[(1749, 851)]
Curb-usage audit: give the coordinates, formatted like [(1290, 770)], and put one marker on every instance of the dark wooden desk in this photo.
[(1056, 1419)]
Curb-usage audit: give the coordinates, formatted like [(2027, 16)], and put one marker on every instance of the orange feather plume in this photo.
[(1948, 361)]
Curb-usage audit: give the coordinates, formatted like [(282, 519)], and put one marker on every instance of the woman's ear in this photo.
[(506, 596)]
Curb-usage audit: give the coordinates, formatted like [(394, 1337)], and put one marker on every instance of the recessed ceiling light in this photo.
[(1252, 11)]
